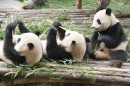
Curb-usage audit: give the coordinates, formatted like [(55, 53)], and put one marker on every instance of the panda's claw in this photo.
[(115, 63)]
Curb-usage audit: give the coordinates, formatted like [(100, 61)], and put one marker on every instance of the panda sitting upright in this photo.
[(108, 40)]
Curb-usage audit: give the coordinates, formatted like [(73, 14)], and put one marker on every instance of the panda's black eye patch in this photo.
[(18, 40), (30, 46), (98, 21)]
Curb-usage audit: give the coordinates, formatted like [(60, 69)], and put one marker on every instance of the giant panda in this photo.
[(108, 40), (72, 45), (25, 50)]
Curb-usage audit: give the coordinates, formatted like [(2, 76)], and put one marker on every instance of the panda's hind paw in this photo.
[(11, 26), (115, 63), (56, 24)]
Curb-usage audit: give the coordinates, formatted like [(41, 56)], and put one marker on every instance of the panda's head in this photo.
[(75, 44), (29, 44), (103, 19)]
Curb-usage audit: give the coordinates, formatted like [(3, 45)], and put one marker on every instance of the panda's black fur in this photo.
[(61, 32), (112, 37), (55, 51), (9, 51), (22, 27)]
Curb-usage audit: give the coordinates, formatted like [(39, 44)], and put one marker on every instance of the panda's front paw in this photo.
[(100, 38)]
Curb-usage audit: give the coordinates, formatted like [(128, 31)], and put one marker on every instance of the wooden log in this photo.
[(122, 14), (29, 80), (79, 4), (83, 73), (64, 77), (31, 4)]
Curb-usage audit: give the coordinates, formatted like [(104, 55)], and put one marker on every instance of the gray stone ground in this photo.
[(10, 5)]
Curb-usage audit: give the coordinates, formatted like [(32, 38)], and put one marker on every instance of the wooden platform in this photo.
[(78, 17), (87, 73)]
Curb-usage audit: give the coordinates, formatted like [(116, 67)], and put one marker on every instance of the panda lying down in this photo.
[(19, 49), (70, 45), (28, 48)]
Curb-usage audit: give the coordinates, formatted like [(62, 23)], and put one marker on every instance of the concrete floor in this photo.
[(11, 4)]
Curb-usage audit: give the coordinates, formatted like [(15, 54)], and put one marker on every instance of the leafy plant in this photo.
[(62, 16)]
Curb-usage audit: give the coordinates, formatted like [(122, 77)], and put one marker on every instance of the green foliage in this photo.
[(120, 5), (42, 27), (35, 69), (62, 16), (15, 72), (116, 5), (128, 47), (1, 34), (34, 26)]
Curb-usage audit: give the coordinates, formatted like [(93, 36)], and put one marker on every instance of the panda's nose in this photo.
[(93, 27)]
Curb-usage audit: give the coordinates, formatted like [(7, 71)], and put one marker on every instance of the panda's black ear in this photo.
[(87, 39), (30, 46), (108, 11), (73, 43), (37, 33)]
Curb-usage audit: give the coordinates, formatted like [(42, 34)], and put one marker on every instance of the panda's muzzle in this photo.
[(95, 28)]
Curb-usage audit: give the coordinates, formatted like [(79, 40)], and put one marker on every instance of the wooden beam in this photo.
[(79, 4), (94, 72)]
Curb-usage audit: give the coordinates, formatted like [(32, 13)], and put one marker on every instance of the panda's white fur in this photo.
[(2, 57), (34, 55), (122, 46), (15, 38), (77, 51)]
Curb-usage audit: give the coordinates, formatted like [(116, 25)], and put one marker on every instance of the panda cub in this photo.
[(72, 46), (25, 50), (108, 40)]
